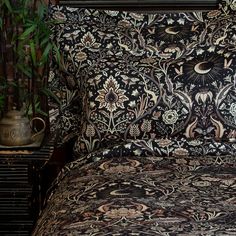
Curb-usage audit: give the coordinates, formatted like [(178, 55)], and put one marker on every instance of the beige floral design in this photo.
[(89, 41), (181, 152), (90, 131), (232, 109), (170, 117), (213, 14), (123, 212), (164, 142), (81, 56), (111, 96), (134, 130)]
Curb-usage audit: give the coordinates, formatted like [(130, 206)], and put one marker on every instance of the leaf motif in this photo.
[(189, 131), (219, 128), (152, 94), (185, 99), (222, 94)]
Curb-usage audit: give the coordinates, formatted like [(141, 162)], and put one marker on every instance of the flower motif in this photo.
[(180, 152), (181, 21), (90, 131), (232, 109), (170, 21), (112, 13), (135, 93), (80, 56), (146, 126), (170, 117), (137, 16), (181, 161), (233, 6), (111, 96), (148, 60), (124, 23), (123, 212), (89, 41), (132, 104), (199, 51), (213, 13), (134, 130), (164, 142), (172, 49), (195, 142), (203, 96), (59, 16)]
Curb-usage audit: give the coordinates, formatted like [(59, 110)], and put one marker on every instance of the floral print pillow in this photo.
[(123, 102), (145, 76)]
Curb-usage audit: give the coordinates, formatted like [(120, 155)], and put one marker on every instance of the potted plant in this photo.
[(25, 51)]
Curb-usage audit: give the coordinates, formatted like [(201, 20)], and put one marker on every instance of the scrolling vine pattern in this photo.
[(147, 75)]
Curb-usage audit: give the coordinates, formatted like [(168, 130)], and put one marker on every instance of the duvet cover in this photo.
[(146, 187)]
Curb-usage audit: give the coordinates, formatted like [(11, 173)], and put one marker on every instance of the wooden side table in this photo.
[(20, 188)]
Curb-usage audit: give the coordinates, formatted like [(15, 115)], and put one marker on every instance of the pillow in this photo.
[(123, 100), (147, 76), (64, 105)]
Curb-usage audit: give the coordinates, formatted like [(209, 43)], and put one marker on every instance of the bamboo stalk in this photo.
[(3, 53)]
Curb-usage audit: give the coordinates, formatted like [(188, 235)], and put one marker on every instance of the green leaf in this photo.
[(39, 111), (8, 5), (46, 52), (44, 41), (49, 93), (28, 31), (57, 52), (25, 70), (41, 10)]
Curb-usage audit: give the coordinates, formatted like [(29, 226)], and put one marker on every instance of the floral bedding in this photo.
[(146, 187), (151, 101)]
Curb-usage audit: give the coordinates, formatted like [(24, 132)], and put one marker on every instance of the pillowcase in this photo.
[(147, 76), (64, 106), (123, 100)]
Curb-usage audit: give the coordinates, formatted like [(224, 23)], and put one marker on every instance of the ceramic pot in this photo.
[(16, 130)]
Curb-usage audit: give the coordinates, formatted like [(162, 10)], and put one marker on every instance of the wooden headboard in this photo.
[(144, 4)]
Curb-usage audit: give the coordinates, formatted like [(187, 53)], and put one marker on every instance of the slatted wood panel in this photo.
[(144, 4), (20, 188)]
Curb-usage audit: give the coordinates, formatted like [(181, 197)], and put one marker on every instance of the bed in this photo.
[(150, 100)]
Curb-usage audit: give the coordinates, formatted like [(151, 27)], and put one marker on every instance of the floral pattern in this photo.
[(152, 187), (152, 100), (65, 106), (111, 96), (141, 76)]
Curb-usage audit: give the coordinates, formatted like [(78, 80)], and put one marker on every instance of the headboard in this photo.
[(144, 5)]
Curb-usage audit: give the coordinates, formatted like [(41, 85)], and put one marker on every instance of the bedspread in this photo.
[(131, 190)]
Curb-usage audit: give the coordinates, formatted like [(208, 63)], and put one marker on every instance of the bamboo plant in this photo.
[(25, 51)]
